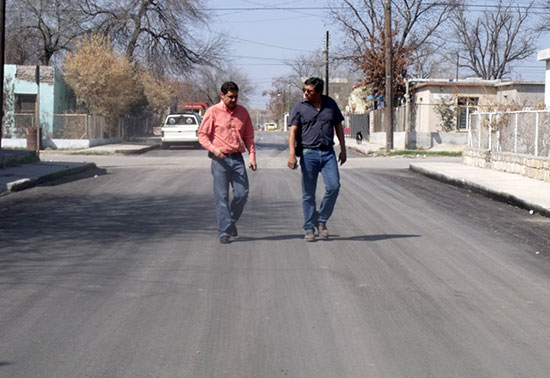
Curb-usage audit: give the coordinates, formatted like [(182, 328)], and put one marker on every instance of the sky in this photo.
[(263, 38)]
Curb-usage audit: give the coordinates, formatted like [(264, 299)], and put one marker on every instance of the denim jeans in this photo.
[(312, 163), (229, 171)]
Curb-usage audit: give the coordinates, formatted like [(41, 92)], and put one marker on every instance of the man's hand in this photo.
[(292, 162), (252, 165), (219, 154), (343, 156)]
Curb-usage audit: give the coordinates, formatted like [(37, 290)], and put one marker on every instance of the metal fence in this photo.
[(524, 132), (400, 119), (359, 123), (77, 126)]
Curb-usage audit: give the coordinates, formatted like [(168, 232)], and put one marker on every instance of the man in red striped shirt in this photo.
[(225, 131)]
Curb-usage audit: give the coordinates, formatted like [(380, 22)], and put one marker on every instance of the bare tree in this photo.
[(544, 23), (495, 39), (415, 24), (304, 66), (205, 84), (39, 31), (157, 34)]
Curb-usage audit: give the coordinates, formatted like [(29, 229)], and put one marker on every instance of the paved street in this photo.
[(118, 272)]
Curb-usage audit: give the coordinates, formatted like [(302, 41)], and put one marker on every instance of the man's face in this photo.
[(310, 94), (230, 99)]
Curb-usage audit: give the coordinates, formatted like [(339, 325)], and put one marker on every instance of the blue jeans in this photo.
[(229, 171), (312, 162)]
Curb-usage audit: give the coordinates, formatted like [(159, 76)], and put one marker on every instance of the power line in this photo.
[(324, 8), (255, 42)]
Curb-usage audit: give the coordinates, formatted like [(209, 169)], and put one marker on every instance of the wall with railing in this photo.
[(73, 130), (514, 141), (523, 132)]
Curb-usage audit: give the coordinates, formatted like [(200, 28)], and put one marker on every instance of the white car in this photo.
[(180, 128)]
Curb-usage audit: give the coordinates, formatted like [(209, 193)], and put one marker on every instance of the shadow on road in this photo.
[(374, 237), (332, 237)]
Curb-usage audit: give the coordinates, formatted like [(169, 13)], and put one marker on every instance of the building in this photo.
[(466, 96), (20, 96)]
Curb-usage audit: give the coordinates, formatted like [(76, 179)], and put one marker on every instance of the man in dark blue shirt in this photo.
[(313, 122)]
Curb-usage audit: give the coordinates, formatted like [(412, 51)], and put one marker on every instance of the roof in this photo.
[(480, 83)]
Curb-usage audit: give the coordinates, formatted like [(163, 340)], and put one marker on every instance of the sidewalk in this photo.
[(518, 190), (24, 176), (113, 149), (16, 173), (521, 191)]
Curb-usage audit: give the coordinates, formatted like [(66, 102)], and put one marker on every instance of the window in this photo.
[(466, 105), (25, 103), (182, 120)]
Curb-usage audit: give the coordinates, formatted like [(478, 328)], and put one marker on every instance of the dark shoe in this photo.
[(310, 236), (233, 230), (225, 239), (323, 231)]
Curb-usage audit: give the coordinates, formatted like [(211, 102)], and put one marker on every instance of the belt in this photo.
[(321, 148), (233, 154)]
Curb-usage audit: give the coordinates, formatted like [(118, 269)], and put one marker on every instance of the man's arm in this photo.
[(248, 138), (291, 147), (340, 135), (205, 130)]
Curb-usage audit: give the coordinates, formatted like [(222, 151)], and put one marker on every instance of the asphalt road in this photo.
[(122, 275)]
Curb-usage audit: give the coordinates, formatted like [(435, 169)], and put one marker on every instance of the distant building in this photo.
[(20, 91), (339, 90)]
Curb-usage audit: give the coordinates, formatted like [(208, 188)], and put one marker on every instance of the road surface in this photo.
[(122, 275)]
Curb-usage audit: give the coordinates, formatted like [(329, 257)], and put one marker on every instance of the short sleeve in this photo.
[(295, 118)]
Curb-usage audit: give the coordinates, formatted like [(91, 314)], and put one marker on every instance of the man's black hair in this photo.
[(229, 86), (317, 83)]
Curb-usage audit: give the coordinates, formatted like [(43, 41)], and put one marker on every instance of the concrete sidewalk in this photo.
[(113, 149), (518, 190), (24, 176), (17, 174), (521, 191)]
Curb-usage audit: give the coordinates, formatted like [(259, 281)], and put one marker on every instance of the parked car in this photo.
[(180, 128)]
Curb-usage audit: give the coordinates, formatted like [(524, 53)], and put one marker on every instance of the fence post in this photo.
[(86, 131), (490, 130), (479, 132), (537, 134), (516, 134), (468, 121), (499, 117)]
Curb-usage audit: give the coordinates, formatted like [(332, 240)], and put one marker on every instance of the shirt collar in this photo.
[(224, 107), (323, 97)]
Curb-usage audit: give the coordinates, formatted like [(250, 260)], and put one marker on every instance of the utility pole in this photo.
[(326, 66), (37, 110), (2, 48), (288, 109), (389, 76)]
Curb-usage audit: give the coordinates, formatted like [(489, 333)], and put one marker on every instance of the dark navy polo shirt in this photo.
[(316, 128)]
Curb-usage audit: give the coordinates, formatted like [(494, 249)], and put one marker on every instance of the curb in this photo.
[(137, 151), (370, 153), (27, 183), (493, 194)]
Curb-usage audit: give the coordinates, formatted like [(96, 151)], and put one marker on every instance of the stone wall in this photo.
[(526, 165)]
